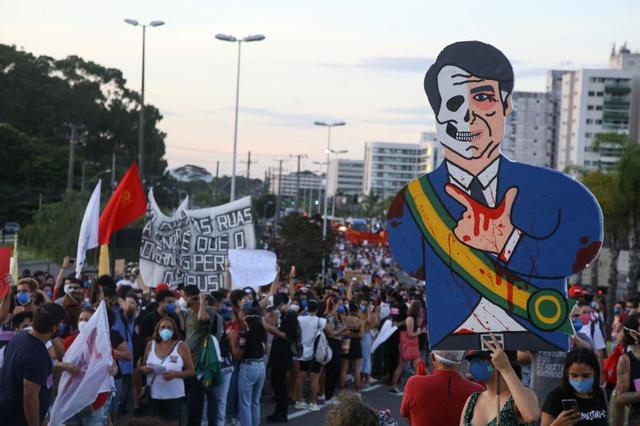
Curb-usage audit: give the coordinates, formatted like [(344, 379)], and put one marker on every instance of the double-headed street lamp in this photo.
[(328, 151), (232, 39), (141, 119)]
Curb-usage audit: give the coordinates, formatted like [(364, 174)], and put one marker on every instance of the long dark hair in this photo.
[(254, 322), (581, 356), (632, 322)]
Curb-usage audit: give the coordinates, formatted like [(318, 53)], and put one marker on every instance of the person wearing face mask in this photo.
[(579, 400), (165, 308), (628, 369), (592, 330), (493, 368), (221, 392), (335, 331), (26, 377), (167, 361), (126, 312), (25, 295)]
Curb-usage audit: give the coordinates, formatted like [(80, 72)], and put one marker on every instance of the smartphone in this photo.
[(569, 404)]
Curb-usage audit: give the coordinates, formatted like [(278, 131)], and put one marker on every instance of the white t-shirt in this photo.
[(597, 339), (309, 326), (127, 283)]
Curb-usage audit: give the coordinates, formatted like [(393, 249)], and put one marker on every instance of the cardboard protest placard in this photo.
[(5, 268), (119, 266), (494, 239), (191, 247), (252, 268)]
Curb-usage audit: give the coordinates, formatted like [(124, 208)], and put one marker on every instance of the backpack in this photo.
[(321, 351)]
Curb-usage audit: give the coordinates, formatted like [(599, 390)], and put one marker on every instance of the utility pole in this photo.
[(279, 197), (113, 170), (72, 156), (215, 196), (249, 162), (84, 166)]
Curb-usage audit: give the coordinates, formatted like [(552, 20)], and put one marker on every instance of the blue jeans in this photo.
[(250, 383), (216, 418)]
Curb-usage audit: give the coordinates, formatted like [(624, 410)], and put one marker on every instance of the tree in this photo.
[(299, 242), (628, 186), (606, 188)]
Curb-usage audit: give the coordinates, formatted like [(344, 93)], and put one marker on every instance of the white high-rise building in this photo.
[(593, 101), (554, 89), (388, 166), (431, 153), (308, 180), (528, 134), (624, 59), (345, 176)]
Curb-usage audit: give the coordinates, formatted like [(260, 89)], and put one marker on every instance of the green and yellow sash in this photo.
[(547, 309)]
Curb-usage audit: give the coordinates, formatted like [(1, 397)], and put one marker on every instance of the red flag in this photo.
[(127, 203)]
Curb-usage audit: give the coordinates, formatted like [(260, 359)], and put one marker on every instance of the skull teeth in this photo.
[(466, 136)]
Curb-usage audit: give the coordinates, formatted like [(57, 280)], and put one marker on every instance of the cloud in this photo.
[(289, 119), (388, 63), (406, 116)]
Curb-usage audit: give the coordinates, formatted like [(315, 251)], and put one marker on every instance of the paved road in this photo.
[(376, 396)]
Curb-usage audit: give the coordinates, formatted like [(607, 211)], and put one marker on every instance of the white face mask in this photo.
[(82, 325)]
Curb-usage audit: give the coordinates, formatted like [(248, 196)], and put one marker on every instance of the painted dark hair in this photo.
[(581, 356), (475, 57)]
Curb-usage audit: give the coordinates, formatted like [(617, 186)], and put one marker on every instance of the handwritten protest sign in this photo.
[(191, 247), (252, 268)]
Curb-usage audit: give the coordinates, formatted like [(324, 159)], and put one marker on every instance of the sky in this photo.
[(362, 62)]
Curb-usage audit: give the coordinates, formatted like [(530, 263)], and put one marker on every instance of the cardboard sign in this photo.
[(252, 268), (5, 268), (495, 240), (119, 267), (191, 247)]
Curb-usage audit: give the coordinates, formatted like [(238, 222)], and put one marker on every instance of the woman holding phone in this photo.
[(579, 400)]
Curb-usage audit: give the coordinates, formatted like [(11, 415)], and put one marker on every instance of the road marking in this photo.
[(370, 388), (298, 414)]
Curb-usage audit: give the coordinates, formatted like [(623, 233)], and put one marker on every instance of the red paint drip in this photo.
[(478, 210), (464, 331), (466, 238), (397, 205), (584, 240), (585, 255)]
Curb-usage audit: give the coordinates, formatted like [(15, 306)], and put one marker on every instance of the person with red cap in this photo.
[(438, 399)]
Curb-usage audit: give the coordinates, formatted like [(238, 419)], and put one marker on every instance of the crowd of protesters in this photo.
[(183, 356)]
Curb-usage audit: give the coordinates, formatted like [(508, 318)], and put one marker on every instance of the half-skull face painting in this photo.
[(494, 240)]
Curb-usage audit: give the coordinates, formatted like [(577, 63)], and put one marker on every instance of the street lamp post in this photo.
[(333, 198), (324, 218), (141, 117), (232, 39)]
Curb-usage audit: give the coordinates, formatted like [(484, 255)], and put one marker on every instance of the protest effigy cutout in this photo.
[(495, 240), (192, 246), (252, 268)]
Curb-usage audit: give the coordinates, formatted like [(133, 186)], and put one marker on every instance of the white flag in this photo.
[(91, 353), (385, 332), (88, 238)]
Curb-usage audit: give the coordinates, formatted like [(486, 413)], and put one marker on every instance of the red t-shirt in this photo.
[(437, 399)]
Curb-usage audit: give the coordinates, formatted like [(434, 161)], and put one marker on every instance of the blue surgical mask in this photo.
[(24, 297), (480, 369), (364, 308), (304, 304), (582, 386), (171, 307), (577, 324), (617, 310), (49, 293), (341, 309), (165, 334), (247, 307)]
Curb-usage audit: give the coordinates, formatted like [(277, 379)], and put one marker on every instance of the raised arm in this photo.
[(623, 384)]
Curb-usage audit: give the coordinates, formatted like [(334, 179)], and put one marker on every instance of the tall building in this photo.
[(388, 166), (528, 129), (593, 101), (431, 153), (345, 176), (624, 59), (289, 186), (554, 91)]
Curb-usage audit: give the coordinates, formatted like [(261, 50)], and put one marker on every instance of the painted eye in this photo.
[(481, 97)]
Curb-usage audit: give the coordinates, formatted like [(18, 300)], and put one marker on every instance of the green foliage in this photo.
[(41, 98), (264, 206), (299, 242), (54, 231)]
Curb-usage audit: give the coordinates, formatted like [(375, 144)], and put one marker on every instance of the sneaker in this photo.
[(332, 401), (320, 397), (395, 391), (301, 405), (313, 407), (372, 381)]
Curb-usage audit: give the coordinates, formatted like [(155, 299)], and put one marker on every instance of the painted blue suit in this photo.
[(561, 225)]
